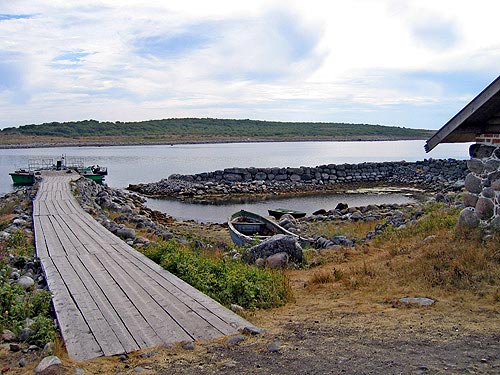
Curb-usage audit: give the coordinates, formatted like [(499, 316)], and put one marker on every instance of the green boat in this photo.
[(94, 173), (23, 177), (99, 178), (279, 212)]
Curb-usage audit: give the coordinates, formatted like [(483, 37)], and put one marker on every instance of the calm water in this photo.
[(136, 164), (220, 213)]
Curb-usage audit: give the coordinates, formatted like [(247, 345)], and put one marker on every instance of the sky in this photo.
[(411, 63)]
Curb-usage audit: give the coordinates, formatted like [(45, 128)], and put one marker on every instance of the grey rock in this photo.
[(147, 354), (79, 371), (421, 301), (46, 363), (22, 362), (495, 184), (188, 346), (467, 219), (14, 275), (277, 261), (491, 165), (230, 364), (469, 199), (14, 348), (480, 151), (495, 224), (125, 233), (274, 347), (236, 308), (475, 165), (8, 336), (484, 208), (473, 184), (260, 262), (138, 369), (25, 334), (26, 282), (488, 193), (251, 330), (279, 243), (236, 339)]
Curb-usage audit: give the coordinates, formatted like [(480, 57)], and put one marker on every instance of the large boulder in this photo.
[(473, 184), (279, 243), (467, 219), (484, 208)]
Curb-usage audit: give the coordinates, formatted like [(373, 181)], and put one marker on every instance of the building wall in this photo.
[(482, 184)]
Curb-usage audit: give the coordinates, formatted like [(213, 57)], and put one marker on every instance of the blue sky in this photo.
[(411, 63)]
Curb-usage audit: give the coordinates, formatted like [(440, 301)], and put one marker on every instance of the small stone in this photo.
[(148, 354), (274, 347), (188, 346), (26, 282), (22, 362), (421, 301), (260, 262), (48, 348), (46, 363), (33, 348), (123, 357), (25, 334), (250, 330), (79, 371), (167, 345), (14, 347), (278, 260), (236, 308), (230, 364), (138, 369), (8, 336), (236, 339)]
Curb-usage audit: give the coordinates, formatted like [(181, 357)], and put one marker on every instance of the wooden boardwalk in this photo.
[(109, 298)]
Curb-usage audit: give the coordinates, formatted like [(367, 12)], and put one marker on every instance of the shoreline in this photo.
[(195, 142)]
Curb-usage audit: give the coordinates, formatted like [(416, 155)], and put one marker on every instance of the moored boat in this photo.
[(246, 227), (278, 212), (23, 177)]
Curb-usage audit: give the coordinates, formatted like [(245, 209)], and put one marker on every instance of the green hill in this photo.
[(208, 129)]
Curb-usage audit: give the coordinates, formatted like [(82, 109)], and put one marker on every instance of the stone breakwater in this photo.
[(429, 173)]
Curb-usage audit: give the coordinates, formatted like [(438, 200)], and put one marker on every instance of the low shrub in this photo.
[(226, 280)]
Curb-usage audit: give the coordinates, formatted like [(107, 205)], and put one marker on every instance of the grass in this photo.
[(427, 258), (226, 280)]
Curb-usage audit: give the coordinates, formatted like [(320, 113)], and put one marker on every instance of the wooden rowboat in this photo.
[(278, 212), (246, 227)]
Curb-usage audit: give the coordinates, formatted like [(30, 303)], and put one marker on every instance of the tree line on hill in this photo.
[(202, 127)]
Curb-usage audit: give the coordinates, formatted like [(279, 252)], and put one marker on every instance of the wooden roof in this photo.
[(480, 116)]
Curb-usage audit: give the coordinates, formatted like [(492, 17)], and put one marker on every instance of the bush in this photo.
[(226, 280)]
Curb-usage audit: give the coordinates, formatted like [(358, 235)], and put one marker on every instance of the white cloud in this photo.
[(359, 60)]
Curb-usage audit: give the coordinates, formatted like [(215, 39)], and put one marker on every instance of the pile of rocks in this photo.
[(438, 174), (482, 185), (23, 270), (98, 200)]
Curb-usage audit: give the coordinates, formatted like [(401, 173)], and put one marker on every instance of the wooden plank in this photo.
[(157, 319), (129, 314), (71, 322), (183, 307), (184, 315), (40, 245), (115, 322), (213, 306), (70, 245), (101, 330), (54, 246)]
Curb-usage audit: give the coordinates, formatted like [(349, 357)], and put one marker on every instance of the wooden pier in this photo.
[(109, 298)]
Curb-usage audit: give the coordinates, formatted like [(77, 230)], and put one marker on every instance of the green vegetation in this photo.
[(226, 280), (198, 128), (16, 304)]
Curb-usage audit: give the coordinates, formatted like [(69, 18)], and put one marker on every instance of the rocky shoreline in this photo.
[(430, 174)]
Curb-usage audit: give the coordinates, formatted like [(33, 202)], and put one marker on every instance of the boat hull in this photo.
[(246, 228), (22, 178), (94, 177)]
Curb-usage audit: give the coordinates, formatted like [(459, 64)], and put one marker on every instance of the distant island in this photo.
[(196, 130)]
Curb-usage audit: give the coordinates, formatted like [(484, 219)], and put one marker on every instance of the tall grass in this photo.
[(226, 280)]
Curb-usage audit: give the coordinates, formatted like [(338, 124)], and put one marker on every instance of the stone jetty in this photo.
[(430, 173)]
